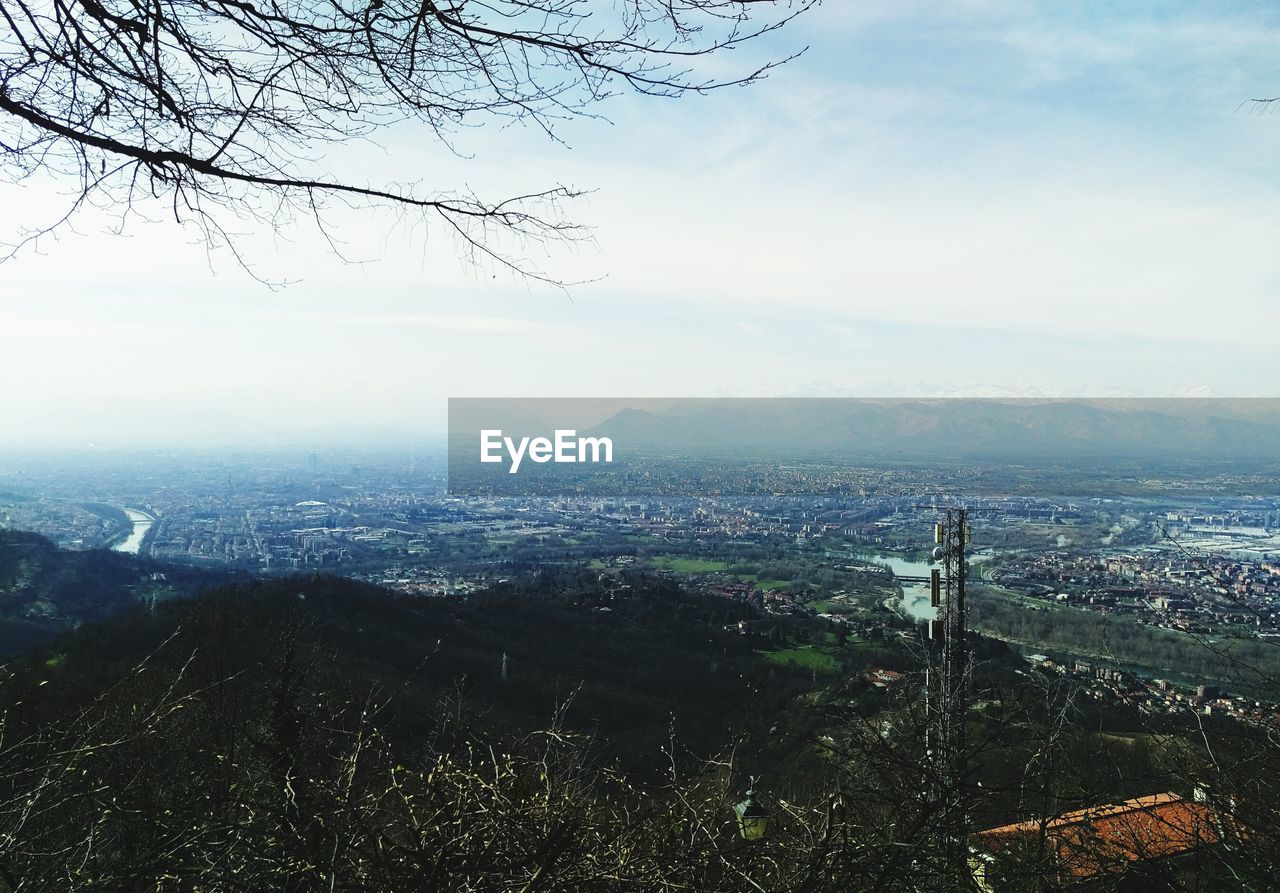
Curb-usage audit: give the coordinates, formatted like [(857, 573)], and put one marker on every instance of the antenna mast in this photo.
[(947, 685)]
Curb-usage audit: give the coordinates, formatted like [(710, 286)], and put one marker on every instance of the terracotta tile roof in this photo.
[(883, 676), (1109, 838)]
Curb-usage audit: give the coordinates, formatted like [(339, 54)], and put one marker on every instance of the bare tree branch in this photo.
[(223, 106)]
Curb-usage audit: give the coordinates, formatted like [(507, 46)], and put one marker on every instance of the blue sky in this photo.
[(1058, 199)]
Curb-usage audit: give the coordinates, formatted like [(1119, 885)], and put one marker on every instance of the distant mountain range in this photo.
[(950, 428)]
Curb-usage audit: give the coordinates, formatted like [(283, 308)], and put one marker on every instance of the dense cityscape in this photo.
[(1174, 567)]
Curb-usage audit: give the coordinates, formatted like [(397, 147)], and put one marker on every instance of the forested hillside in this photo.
[(633, 666), (565, 730), (45, 590)]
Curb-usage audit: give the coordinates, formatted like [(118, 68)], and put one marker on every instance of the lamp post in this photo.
[(753, 819)]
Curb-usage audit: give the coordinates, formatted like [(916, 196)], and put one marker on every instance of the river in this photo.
[(141, 524), (915, 596)]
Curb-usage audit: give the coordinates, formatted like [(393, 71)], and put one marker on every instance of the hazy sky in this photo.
[(945, 198)]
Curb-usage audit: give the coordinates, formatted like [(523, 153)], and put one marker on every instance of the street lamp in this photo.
[(753, 819)]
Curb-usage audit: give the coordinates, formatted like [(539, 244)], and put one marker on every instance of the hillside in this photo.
[(630, 666), (45, 590), (313, 732)]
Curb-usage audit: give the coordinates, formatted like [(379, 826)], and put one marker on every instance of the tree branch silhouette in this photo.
[(223, 107)]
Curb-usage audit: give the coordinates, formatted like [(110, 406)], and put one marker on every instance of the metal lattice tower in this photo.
[(947, 686)]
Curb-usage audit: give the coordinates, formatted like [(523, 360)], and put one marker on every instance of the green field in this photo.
[(688, 565), (768, 585), (805, 657)]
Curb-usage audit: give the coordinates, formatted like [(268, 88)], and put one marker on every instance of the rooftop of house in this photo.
[(1109, 838)]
